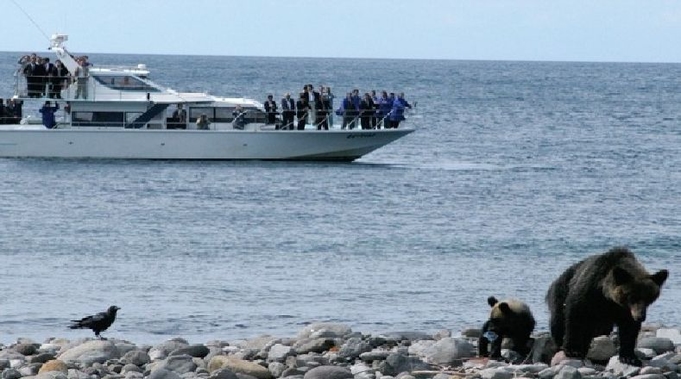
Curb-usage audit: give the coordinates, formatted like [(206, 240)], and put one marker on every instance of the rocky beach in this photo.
[(333, 351)]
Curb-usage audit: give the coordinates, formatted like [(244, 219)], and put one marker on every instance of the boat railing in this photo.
[(68, 88)]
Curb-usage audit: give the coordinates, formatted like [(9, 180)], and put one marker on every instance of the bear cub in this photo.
[(507, 319), (597, 293)]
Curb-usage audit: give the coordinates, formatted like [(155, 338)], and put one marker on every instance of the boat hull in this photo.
[(332, 145)]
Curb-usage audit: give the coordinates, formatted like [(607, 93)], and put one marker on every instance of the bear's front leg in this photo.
[(628, 332)]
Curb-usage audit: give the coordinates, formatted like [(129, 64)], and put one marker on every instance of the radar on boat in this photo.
[(59, 39)]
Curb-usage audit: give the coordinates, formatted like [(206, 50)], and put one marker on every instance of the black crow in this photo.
[(98, 323)]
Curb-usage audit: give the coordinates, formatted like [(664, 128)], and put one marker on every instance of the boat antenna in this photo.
[(29, 17)]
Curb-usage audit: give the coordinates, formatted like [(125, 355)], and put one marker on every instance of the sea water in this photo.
[(516, 171)]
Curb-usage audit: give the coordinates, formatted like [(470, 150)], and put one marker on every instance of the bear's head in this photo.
[(508, 315), (636, 293)]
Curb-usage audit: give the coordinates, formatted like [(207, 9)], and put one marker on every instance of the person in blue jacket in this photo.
[(397, 112), (48, 112)]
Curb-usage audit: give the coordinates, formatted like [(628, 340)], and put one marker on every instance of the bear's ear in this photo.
[(505, 309), (621, 276), (491, 301), (659, 277)]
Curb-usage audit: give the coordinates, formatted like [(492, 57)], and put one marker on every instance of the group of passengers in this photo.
[(11, 112), (47, 79), (316, 108)]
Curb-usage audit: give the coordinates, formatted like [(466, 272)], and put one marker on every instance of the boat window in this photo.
[(124, 83), (98, 119), (224, 114), (194, 113)]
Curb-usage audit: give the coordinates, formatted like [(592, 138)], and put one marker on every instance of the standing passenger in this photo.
[(312, 98), (48, 112), (366, 108), (302, 107), (271, 110), (349, 111), (383, 113), (81, 74), (288, 112)]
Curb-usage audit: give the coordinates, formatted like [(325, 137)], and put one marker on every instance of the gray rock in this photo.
[(180, 364), (449, 352), (602, 349), (279, 353), (130, 368), (474, 333), (374, 355), (420, 348), (162, 350), (360, 367), (662, 363), (223, 373), (352, 348), (91, 352), (315, 345), (127, 375), (163, 374), (42, 357), (276, 368), (547, 373), (531, 369), (11, 373), (328, 372), (325, 330), (620, 369), (649, 376), (650, 370), (198, 351), (672, 334), (495, 373), (660, 345), (51, 375), (568, 372), (396, 363), (365, 375), (29, 370), (293, 372), (136, 357), (25, 348)]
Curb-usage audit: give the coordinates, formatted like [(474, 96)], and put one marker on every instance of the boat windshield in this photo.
[(124, 83)]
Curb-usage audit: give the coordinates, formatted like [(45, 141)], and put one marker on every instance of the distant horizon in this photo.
[(614, 31), (19, 53)]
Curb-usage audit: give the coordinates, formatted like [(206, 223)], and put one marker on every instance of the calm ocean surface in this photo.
[(516, 171)]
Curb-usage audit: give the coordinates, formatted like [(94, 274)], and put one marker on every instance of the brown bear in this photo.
[(595, 294), (507, 319)]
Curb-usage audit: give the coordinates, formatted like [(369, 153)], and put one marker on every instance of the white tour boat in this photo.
[(127, 116)]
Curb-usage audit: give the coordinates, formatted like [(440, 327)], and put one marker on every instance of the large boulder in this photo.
[(449, 352), (89, 352)]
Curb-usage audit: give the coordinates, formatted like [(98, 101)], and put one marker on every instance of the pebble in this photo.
[(330, 351)]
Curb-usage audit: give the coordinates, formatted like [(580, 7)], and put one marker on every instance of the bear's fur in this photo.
[(507, 319), (595, 294)]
